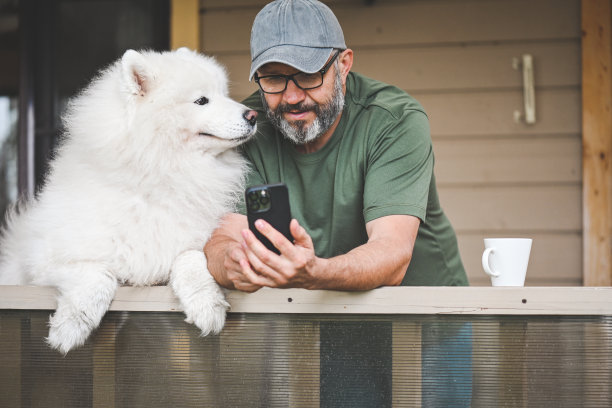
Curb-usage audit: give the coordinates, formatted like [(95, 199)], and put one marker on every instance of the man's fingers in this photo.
[(251, 275), (264, 262), (299, 234), (269, 275), (240, 272), (276, 238)]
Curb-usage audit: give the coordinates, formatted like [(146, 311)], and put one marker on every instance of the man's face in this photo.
[(303, 116)]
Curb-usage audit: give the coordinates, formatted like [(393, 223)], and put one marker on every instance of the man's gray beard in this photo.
[(326, 115)]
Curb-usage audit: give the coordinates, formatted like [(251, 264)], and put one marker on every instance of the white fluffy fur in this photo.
[(135, 189)]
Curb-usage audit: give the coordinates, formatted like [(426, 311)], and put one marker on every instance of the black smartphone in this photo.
[(269, 202)]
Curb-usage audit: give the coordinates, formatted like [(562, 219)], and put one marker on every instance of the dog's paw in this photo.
[(207, 313), (67, 332)]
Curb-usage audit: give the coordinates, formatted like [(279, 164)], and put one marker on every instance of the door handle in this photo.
[(525, 63)]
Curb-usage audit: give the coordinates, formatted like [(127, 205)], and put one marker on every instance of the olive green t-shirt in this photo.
[(378, 162)]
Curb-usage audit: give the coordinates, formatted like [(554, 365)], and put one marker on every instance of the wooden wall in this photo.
[(496, 177)]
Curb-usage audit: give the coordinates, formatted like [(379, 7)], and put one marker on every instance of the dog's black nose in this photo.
[(251, 117)]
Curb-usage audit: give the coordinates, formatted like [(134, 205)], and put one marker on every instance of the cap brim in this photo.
[(305, 59)]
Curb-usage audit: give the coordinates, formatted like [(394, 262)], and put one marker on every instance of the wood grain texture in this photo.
[(387, 300), (413, 22), (597, 141), (512, 208)]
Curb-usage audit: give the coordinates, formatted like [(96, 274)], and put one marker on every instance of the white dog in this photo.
[(145, 171)]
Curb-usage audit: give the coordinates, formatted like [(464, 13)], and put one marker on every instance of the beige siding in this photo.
[(496, 177)]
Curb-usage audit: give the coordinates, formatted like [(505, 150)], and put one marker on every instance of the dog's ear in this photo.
[(137, 75)]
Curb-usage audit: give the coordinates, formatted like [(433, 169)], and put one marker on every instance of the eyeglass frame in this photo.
[(288, 78)]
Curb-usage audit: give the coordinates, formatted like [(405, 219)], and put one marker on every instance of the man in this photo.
[(357, 157)]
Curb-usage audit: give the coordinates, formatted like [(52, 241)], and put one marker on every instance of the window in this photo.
[(55, 48)]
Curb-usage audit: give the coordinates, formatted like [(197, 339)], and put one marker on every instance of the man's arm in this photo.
[(382, 261)]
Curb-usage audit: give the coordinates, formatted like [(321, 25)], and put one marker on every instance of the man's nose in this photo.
[(293, 94)]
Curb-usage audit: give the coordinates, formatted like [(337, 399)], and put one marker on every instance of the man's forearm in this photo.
[(374, 264)]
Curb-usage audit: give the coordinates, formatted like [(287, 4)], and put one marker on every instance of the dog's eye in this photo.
[(201, 101)]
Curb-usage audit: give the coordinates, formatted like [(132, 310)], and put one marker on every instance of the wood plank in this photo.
[(386, 300), (206, 5), (534, 208), (597, 141), (470, 67), (555, 259), (446, 69), (491, 113), (412, 23), (458, 21), (508, 160)]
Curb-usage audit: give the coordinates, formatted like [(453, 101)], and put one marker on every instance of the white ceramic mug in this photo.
[(505, 260)]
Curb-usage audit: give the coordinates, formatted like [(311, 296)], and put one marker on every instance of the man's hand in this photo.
[(381, 261), (225, 255), (237, 260), (234, 263), (296, 265)]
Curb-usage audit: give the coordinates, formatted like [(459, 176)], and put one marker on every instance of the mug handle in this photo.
[(485, 262)]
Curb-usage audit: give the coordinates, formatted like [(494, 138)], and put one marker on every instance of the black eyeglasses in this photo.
[(274, 84)]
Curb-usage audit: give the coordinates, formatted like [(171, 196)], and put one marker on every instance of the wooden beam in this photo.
[(597, 141), (185, 24), (434, 300)]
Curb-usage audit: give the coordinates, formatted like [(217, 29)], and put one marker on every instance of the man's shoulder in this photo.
[(372, 95)]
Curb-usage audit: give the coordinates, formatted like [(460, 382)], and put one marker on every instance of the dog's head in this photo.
[(181, 96)]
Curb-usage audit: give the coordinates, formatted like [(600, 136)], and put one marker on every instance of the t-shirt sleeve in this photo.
[(399, 168)]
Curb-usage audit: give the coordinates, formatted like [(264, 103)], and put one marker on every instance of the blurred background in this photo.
[(498, 175)]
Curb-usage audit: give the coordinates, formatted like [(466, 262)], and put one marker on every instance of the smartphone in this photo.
[(269, 202)]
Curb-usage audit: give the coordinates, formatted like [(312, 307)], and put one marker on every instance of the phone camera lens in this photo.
[(254, 206), (252, 196)]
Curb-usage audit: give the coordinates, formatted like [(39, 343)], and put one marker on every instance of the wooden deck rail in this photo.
[(387, 300)]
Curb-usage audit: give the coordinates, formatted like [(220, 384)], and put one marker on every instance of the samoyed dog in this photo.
[(144, 172)]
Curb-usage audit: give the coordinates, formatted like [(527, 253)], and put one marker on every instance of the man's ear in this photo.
[(345, 62), (137, 75)]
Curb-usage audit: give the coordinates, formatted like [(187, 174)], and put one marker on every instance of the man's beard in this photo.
[(325, 116)]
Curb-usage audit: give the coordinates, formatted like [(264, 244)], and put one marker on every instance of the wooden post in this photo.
[(185, 24), (597, 141)]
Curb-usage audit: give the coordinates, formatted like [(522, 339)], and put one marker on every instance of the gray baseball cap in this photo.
[(299, 33)]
